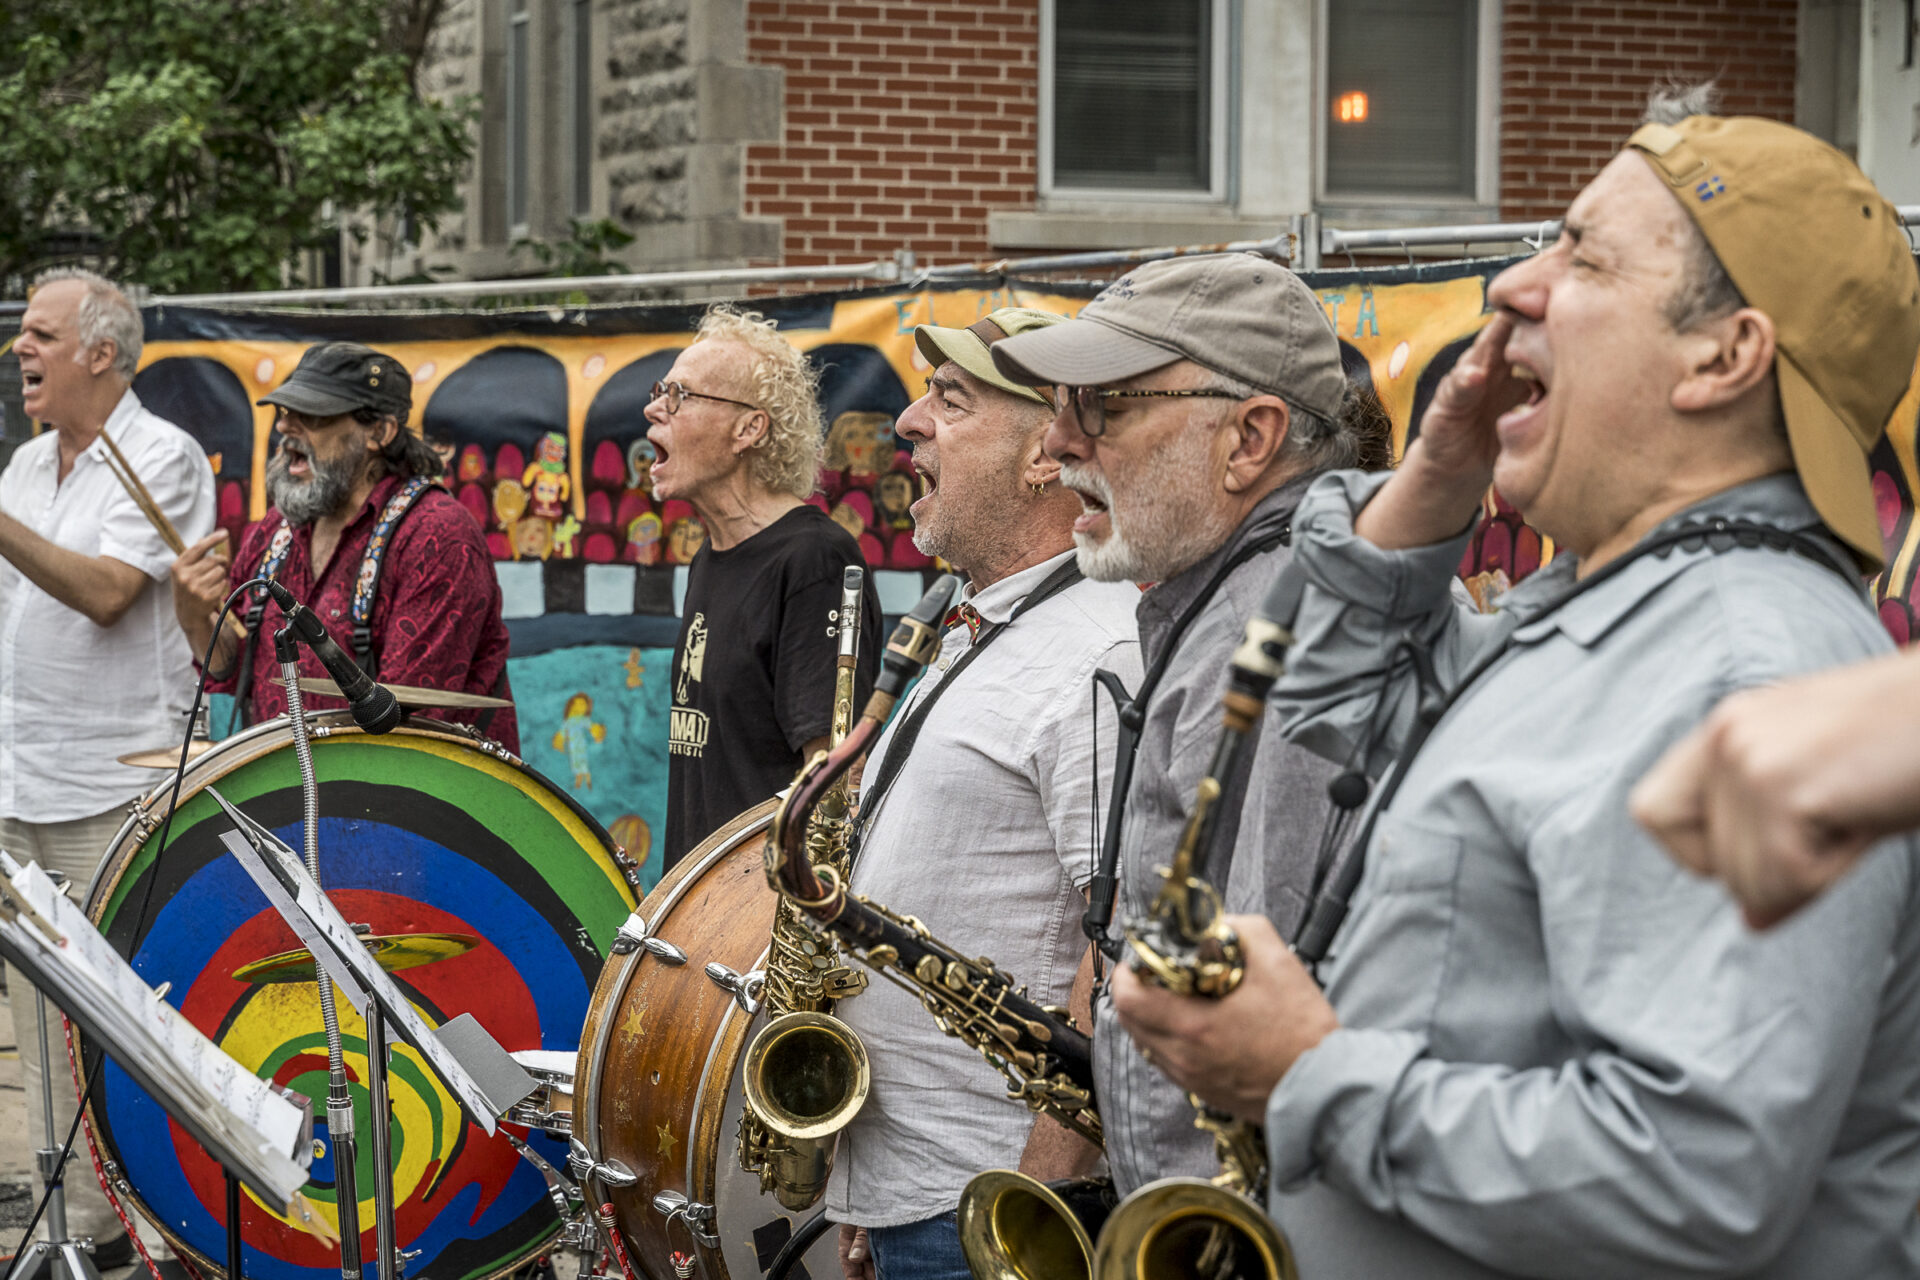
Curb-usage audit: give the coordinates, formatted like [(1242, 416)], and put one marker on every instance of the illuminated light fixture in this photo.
[(1350, 108)]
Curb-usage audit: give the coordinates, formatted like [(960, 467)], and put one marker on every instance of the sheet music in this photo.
[(216, 1097), (283, 877)]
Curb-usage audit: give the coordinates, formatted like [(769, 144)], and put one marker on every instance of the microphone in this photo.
[(374, 708)]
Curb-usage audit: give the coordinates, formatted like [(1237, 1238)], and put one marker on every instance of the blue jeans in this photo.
[(925, 1250)]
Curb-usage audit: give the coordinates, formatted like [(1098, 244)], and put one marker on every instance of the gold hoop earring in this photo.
[(1037, 487)]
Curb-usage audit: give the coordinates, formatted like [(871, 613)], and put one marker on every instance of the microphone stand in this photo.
[(286, 651)]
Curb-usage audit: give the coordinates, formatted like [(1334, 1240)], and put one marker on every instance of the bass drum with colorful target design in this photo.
[(657, 1094), (487, 891)]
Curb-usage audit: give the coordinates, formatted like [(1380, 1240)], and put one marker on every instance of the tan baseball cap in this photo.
[(969, 347), (1238, 314), (1807, 238)]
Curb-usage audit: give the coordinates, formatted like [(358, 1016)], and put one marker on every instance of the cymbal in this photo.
[(408, 695), (394, 952), (166, 757)]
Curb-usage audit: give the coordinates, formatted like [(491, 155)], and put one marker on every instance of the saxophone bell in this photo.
[(1015, 1227), (1191, 1229), (806, 1076)]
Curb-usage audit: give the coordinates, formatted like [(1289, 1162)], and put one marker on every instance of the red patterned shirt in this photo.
[(436, 618)]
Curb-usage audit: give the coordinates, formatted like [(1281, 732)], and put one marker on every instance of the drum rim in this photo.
[(671, 889), (249, 745)]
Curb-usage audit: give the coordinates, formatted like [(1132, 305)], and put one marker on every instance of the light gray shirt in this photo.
[(987, 834), (1561, 1055), (1146, 1117)]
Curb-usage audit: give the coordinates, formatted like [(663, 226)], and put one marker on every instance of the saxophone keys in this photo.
[(928, 969), (884, 956)]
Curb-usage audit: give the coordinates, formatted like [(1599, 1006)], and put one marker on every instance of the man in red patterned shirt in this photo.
[(361, 534)]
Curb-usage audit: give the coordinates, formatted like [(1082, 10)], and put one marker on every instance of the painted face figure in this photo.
[(509, 502), (893, 494), (643, 539), (640, 456), (685, 538)]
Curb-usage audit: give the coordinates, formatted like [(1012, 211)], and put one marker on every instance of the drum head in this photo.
[(420, 833)]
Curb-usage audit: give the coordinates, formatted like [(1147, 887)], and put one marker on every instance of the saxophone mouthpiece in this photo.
[(915, 641)]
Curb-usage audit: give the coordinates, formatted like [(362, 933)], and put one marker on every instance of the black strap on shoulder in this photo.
[(903, 739), (1103, 889), (1327, 911)]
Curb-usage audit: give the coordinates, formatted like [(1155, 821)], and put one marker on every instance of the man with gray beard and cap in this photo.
[(1197, 399), (361, 533)]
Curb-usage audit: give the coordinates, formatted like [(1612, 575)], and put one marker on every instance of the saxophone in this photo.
[(1176, 1228), (1012, 1227), (805, 1073), (1046, 1061)]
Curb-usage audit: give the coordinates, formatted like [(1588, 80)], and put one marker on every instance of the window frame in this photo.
[(517, 149), (1486, 131), (1220, 124), (580, 107)]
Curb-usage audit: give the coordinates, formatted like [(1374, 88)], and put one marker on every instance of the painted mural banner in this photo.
[(539, 414)]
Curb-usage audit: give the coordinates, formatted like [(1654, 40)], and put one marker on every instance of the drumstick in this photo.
[(130, 481)]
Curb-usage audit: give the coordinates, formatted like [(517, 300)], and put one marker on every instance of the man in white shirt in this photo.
[(981, 806), (92, 665)]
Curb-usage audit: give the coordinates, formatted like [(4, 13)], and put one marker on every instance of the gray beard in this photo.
[(323, 492)]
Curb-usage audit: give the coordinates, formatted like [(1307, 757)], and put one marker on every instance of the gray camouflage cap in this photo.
[(1236, 313)]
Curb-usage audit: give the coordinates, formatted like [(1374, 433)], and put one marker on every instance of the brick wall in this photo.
[(905, 125), (1574, 80)]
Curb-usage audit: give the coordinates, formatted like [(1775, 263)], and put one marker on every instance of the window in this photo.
[(581, 106), (1402, 108), (519, 68), (1133, 98)]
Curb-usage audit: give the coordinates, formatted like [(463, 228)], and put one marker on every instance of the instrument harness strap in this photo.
[(902, 745)]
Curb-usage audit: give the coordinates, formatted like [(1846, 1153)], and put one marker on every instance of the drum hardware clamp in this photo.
[(695, 1214), (637, 933), (565, 1196), (582, 1165), (745, 987)]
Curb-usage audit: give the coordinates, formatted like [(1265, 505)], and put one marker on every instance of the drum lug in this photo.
[(628, 867), (582, 1165), (696, 1215), (636, 933), (744, 987)]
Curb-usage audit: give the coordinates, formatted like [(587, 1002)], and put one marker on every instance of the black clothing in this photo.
[(753, 669)]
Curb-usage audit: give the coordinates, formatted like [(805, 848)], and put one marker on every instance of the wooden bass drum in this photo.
[(657, 1089)]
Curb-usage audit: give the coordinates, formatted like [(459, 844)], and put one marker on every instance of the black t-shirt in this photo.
[(753, 669)]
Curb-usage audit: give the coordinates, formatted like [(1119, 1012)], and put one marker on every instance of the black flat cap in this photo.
[(339, 377)]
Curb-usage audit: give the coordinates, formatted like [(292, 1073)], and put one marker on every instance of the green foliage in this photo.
[(194, 145), (587, 250)]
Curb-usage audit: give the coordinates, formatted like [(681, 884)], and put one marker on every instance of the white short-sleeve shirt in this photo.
[(74, 695)]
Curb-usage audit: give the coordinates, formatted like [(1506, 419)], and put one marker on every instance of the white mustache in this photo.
[(1092, 483)]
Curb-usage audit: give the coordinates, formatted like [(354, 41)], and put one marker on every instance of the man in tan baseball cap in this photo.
[(1541, 1048), (1199, 397), (979, 806)]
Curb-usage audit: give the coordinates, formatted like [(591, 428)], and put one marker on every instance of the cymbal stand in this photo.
[(339, 1101)]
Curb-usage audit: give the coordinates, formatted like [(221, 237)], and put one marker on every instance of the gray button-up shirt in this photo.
[(1146, 1117), (1561, 1054)]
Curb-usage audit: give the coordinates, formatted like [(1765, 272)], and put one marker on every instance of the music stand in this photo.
[(483, 1086), (247, 1125)]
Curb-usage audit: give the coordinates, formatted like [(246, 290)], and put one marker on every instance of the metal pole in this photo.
[(346, 1192), (383, 1224), (233, 1226), (458, 289)]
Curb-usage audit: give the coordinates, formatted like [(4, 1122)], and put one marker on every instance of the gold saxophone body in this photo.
[(1013, 1227), (805, 1074)]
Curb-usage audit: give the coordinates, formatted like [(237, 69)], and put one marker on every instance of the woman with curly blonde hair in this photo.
[(736, 432)]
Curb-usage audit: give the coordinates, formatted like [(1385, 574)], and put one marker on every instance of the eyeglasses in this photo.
[(1089, 404), (677, 394)]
